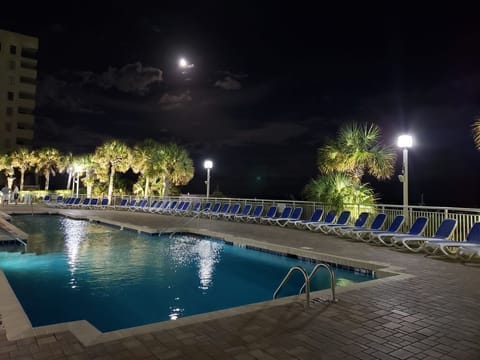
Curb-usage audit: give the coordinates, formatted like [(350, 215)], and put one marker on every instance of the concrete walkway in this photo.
[(432, 314)]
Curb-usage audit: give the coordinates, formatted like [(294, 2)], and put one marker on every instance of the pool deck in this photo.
[(430, 312)]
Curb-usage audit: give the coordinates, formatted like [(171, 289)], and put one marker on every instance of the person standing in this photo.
[(5, 194), (15, 193)]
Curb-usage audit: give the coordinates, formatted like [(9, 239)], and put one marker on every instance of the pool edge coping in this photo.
[(18, 326)]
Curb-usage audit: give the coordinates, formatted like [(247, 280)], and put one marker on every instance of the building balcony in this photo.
[(28, 73), (27, 88), (28, 64), (25, 121), (26, 105), (25, 134)]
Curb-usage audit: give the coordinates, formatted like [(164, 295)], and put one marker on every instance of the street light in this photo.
[(208, 164), (405, 141)]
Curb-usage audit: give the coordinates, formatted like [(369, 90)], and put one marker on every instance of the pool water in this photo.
[(75, 270)]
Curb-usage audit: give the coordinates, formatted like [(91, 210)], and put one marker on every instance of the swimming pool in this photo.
[(116, 279)]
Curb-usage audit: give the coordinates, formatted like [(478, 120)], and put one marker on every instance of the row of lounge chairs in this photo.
[(413, 240), (77, 202)]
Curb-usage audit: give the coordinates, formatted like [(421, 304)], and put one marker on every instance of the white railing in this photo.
[(465, 217)]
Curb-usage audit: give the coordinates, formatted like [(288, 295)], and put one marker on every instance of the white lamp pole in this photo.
[(405, 142), (208, 164)]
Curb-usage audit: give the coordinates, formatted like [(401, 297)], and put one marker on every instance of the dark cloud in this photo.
[(228, 83), (131, 78), (170, 102), (59, 94)]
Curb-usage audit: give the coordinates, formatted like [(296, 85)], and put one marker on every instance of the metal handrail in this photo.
[(332, 278), (287, 277), (22, 242)]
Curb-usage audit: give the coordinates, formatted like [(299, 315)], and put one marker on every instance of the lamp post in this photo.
[(208, 164), (405, 142)]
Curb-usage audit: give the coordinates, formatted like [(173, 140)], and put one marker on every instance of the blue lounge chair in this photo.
[(272, 211), (416, 243), (367, 235), (302, 224), (104, 203), (376, 225), (93, 203), (195, 208), (245, 215), (450, 248), (200, 210), (342, 220), (329, 218), (257, 213), (222, 210), (211, 210), (177, 207), (294, 216), (166, 209), (85, 202), (184, 209), (123, 204), (287, 211), (359, 224), (161, 207), (245, 212), (386, 238), (232, 212)]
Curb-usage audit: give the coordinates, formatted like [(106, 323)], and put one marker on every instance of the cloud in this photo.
[(59, 94), (170, 102), (271, 133), (131, 78), (228, 83)]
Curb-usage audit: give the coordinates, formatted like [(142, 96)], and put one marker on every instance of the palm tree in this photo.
[(88, 167), (357, 151), (339, 191), (6, 165), (476, 133), (66, 165), (111, 157), (47, 161), (144, 156), (176, 166), (23, 159)]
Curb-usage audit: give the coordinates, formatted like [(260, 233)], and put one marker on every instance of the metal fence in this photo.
[(465, 217)]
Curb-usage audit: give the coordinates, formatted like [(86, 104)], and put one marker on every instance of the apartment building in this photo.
[(18, 79)]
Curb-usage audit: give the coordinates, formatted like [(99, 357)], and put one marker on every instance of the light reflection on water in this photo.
[(117, 279)]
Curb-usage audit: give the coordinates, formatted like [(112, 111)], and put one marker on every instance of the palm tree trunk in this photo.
[(89, 191), (69, 181), (22, 177), (110, 184), (147, 185), (47, 180)]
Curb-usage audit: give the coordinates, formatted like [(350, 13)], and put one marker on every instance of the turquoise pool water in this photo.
[(115, 279)]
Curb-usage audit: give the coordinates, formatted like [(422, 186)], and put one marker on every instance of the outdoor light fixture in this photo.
[(208, 164), (404, 142)]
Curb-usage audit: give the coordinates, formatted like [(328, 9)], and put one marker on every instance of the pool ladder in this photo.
[(308, 278)]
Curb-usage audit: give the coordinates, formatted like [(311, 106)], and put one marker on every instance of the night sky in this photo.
[(269, 84)]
